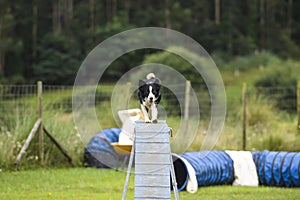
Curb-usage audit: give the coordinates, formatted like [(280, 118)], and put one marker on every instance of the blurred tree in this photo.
[(217, 12), (62, 14), (92, 15), (178, 63), (58, 60), (230, 28), (34, 30), (10, 45)]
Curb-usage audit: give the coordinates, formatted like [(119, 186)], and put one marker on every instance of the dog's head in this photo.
[(149, 90)]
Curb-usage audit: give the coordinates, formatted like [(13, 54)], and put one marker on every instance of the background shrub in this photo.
[(281, 84)]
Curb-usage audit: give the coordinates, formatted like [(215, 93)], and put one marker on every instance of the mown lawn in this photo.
[(84, 183)]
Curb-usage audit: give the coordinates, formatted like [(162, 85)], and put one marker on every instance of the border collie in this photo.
[(149, 96)]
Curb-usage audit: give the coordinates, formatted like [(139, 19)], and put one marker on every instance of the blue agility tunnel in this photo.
[(211, 168), (278, 168), (206, 168), (99, 152)]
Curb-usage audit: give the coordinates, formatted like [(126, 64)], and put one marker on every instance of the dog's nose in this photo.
[(151, 98)]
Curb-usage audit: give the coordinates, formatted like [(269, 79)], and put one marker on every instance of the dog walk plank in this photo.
[(152, 161)]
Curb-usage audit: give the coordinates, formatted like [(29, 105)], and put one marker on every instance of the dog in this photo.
[(149, 96)]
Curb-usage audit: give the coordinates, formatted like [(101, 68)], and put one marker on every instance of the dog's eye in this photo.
[(146, 93)]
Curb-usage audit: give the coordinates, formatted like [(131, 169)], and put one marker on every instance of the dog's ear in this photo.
[(157, 81), (141, 83), (157, 86), (158, 99)]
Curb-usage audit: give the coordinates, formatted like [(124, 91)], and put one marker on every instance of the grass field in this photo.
[(87, 183)]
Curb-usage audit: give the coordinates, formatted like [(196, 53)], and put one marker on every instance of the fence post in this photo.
[(186, 104), (244, 98), (128, 94), (27, 142), (298, 104), (40, 111)]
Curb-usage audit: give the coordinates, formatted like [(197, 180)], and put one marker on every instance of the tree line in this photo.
[(48, 40)]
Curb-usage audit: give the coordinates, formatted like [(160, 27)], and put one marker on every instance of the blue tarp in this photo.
[(211, 167), (99, 153), (278, 168)]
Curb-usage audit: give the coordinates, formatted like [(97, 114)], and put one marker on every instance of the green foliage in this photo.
[(274, 143), (284, 41), (14, 130), (254, 60), (59, 59), (178, 63), (282, 84), (260, 113), (267, 127)]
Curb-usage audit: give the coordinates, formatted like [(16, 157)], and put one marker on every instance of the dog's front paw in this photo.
[(147, 121), (154, 121)]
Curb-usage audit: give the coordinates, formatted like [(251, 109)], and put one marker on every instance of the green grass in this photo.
[(74, 183), (87, 183)]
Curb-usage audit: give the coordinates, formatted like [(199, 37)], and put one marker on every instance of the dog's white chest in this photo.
[(147, 104)]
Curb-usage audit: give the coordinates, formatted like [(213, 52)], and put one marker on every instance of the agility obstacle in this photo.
[(153, 163), (192, 169), (278, 168)]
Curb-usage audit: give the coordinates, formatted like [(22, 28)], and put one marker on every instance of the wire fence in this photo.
[(23, 98)]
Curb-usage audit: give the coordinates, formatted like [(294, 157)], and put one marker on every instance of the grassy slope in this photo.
[(264, 120), (85, 183)]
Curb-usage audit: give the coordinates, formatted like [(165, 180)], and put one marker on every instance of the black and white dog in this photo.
[(149, 96)]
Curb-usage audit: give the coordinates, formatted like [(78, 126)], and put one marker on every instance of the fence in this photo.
[(21, 100)]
